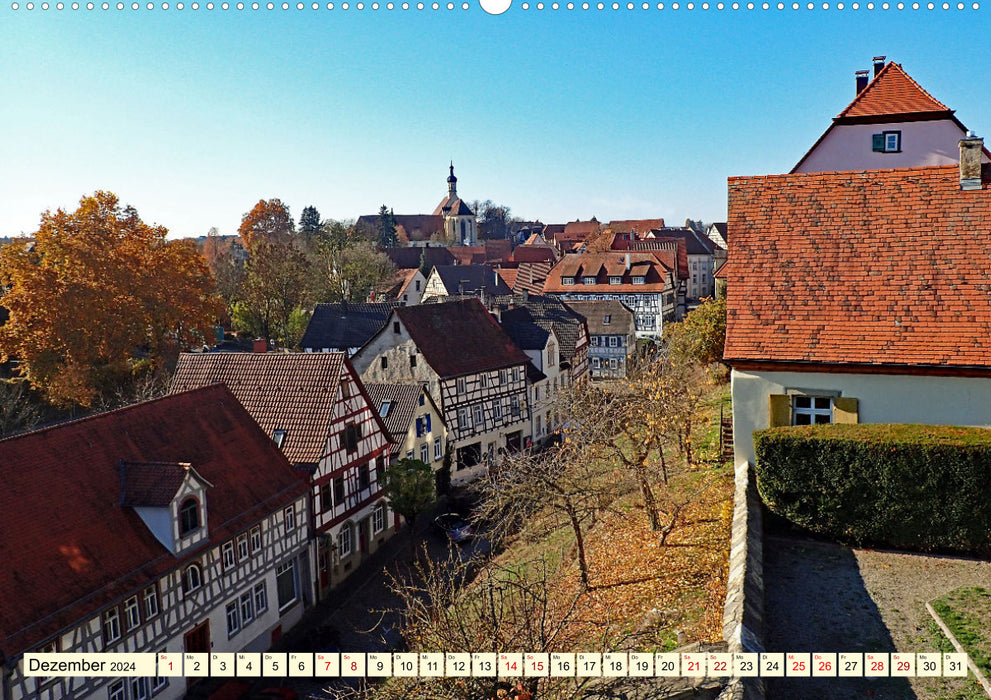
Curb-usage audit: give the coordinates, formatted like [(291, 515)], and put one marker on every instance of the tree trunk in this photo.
[(649, 501), (688, 443), (580, 544)]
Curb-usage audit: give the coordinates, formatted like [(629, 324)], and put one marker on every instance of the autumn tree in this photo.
[(346, 267), (275, 293), (225, 258), (701, 336), (96, 297), (268, 220), (19, 410)]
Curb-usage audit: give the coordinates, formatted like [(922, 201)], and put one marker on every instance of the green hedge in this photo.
[(923, 487)]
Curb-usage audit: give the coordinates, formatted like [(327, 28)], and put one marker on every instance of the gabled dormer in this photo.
[(170, 499)]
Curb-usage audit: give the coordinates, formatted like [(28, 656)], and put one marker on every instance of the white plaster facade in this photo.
[(882, 398)]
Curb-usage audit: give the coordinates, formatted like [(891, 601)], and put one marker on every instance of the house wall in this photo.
[(414, 443), (883, 398), (181, 612), (650, 310), (849, 147)]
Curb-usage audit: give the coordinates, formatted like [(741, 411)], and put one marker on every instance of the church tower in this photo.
[(460, 223)]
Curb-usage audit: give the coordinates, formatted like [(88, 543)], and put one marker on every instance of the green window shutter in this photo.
[(780, 410), (845, 410), (877, 142)]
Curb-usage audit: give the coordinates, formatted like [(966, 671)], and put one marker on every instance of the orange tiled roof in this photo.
[(891, 92), (579, 265), (879, 267)]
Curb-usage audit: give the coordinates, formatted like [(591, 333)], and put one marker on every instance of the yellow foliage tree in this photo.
[(97, 296)]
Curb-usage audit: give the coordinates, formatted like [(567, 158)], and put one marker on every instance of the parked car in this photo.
[(454, 527)]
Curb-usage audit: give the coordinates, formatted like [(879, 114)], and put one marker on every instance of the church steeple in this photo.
[(452, 183)]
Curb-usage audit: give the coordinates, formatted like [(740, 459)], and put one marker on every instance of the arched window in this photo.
[(189, 516), (462, 229), (192, 578)]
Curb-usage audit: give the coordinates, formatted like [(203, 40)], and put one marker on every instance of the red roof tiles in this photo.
[(69, 548), (892, 92), (884, 267)]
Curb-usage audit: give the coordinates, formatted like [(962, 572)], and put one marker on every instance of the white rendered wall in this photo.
[(883, 398), (849, 147)]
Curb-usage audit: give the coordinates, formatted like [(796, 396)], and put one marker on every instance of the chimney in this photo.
[(260, 345), (878, 64), (971, 150), (627, 262), (861, 80)]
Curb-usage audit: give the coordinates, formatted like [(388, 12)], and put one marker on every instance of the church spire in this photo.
[(452, 182)]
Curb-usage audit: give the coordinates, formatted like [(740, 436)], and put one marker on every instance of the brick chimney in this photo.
[(971, 150), (878, 64), (862, 80), (260, 345)]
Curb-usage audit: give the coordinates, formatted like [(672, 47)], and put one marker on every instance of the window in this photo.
[(607, 319), (462, 387), (352, 434), (638, 279), (514, 406), (423, 399), (233, 619), (243, 552), (111, 626), (567, 280), (189, 516), (807, 410), (438, 450), (132, 612), (595, 341), (412, 361), (158, 683), (615, 279), (588, 279), (613, 341), (485, 380), (338, 490), (139, 689), (595, 363), (345, 388), (380, 469), (425, 453), (418, 285), (326, 500), (503, 376), (497, 408), (285, 582), (395, 326), (289, 516), (384, 408), (151, 601), (612, 363), (378, 520), (229, 559), (279, 436), (551, 354), (409, 454), (192, 578), (261, 597), (364, 477), (887, 142), (247, 608), (385, 362), (479, 414), (464, 418), (538, 425), (344, 541), (115, 691), (256, 539)]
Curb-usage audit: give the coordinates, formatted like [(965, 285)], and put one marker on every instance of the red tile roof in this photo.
[(883, 267), (601, 265), (295, 392), (69, 548), (152, 484), (459, 337), (639, 226), (891, 93)]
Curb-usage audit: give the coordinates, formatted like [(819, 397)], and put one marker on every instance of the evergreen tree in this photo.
[(309, 222), (387, 228)]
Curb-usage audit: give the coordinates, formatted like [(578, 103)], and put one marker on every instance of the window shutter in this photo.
[(780, 410), (877, 143), (845, 410)]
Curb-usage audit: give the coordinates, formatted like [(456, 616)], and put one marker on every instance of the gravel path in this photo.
[(824, 597)]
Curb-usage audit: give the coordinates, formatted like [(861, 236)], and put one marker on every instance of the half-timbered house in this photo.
[(471, 368), (170, 525), (314, 407)]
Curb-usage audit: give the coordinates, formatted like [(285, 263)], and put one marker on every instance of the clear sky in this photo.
[(192, 116)]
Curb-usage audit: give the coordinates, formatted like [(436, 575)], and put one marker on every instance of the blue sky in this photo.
[(193, 116)]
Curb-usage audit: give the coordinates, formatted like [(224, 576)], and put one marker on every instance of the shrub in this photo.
[(919, 487)]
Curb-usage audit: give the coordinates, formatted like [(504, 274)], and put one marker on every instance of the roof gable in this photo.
[(891, 93), (69, 548), (469, 279), (459, 337), (882, 267), (403, 401)]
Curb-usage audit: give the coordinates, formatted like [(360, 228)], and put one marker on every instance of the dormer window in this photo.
[(279, 436), (588, 279), (615, 279), (567, 280), (189, 516), (638, 280), (607, 319)]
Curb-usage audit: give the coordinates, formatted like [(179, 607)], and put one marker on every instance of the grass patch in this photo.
[(939, 688), (967, 612)]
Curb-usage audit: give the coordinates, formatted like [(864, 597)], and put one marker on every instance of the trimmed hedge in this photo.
[(923, 487)]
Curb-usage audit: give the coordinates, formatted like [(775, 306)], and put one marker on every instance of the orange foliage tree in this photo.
[(269, 221), (97, 297)]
